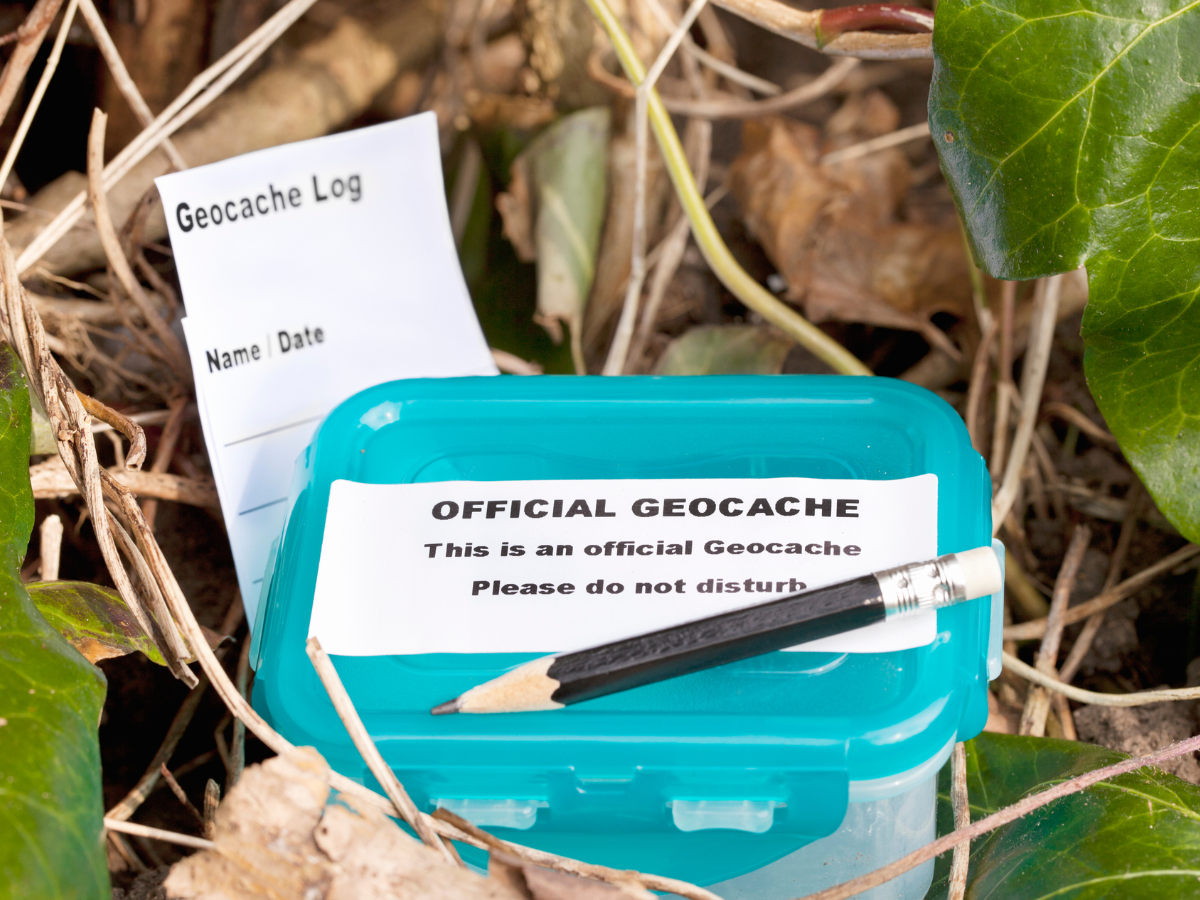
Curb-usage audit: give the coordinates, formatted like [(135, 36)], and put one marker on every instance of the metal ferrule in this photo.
[(924, 585)]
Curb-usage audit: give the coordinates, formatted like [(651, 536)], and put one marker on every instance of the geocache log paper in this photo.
[(310, 272)]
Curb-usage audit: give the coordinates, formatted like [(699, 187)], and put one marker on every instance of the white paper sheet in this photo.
[(310, 272), (598, 562)]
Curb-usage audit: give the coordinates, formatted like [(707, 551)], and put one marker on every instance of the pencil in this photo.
[(553, 682)]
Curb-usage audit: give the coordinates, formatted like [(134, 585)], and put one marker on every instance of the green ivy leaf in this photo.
[(1070, 133), (97, 622), (1136, 836), (726, 350), (93, 618), (51, 843)]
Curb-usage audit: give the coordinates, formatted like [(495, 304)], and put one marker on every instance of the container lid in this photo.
[(705, 776)]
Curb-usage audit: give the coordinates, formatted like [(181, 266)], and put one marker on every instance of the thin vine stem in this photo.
[(708, 239)]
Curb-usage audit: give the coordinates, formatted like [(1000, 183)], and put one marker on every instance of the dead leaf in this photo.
[(835, 232), (552, 213), (281, 833), (726, 350)]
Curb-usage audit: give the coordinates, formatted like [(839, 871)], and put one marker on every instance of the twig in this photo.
[(708, 239), (52, 480), (805, 28), (237, 744), (1074, 417), (978, 386), (39, 92), (1037, 704), (874, 145), (727, 107), (126, 852), (960, 802), (146, 784), (29, 41), (1137, 698), (121, 77), (132, 430), (619, 348), (180, 793), (1004, 383), (165, 452), (732, 72), (50, 547), (366, 747), (1130, 586), (159, 834), (513, 364), (212, 799), (1116, 565), (176, 356), (997, 819), (1033, 378), (202, 90)]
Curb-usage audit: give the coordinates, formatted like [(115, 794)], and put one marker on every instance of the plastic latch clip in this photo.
[(518, 814), (755, 816)]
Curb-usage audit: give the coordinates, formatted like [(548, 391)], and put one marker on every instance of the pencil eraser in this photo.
[(981, 572)]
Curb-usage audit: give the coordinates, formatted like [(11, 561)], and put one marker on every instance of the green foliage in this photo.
[(1070, 133), (1133, 837), (504, 289), (93, 618), (726, 350), (50, 700)]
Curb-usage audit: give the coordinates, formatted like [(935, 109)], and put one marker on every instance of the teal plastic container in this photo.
[(705, 777)]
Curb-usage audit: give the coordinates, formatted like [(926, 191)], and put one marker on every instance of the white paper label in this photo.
[(548, 566), (310, 272)]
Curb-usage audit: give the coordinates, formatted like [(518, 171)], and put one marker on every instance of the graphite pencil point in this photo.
[(445, 709)]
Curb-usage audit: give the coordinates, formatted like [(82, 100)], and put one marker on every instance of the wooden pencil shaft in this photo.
[(716, 640)]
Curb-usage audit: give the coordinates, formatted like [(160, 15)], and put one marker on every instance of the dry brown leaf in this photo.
[(835, 232), (281, 833)]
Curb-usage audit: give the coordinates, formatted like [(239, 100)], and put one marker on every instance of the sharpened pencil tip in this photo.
[(444, 709)]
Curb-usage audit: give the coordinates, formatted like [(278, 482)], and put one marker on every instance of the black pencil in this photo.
[(553, 682)]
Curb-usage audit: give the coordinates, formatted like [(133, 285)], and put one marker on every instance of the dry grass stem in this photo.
[(165, 451), (158, 834), (39, 92), (960, 802), (1091, 627), (1079, 695), (180, 793), (367, 749), (50, 547), (619, 347), (176, 356), (212, 799), (114, 420), (1037, 704), (1072, 416), (28, 41), (51, 479), (1033, 378), (874, 145), (979, 383), (1127, 588), (736, 108), (121, 77), (202, 90)]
